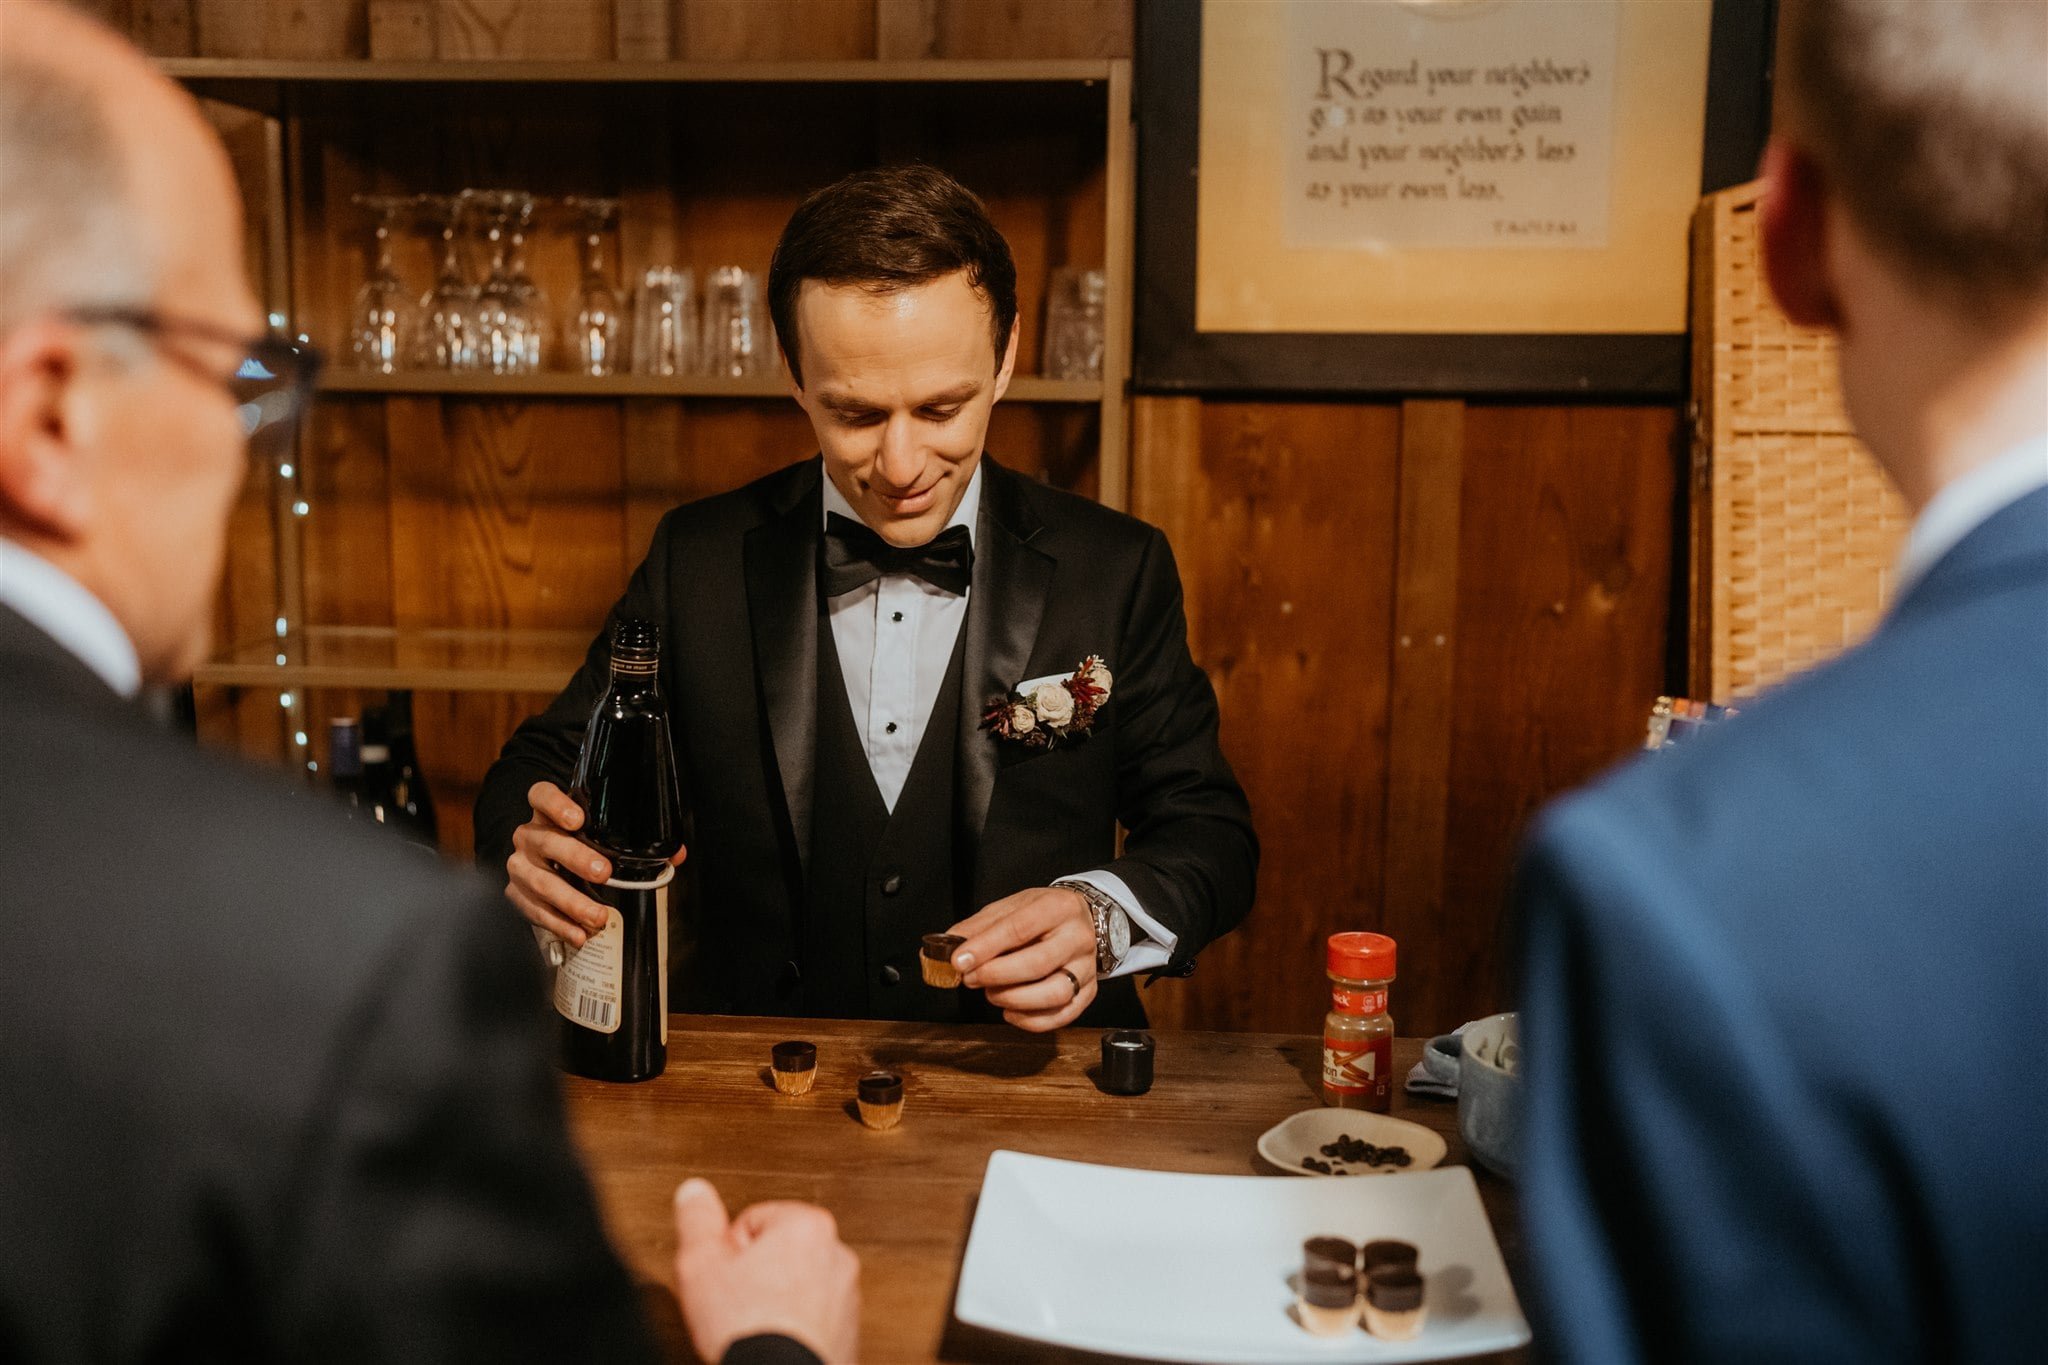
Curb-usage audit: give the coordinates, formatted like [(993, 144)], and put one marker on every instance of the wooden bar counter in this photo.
[(905, 1198)]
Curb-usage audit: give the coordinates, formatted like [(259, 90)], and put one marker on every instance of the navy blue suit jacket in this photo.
[(1783, 995)]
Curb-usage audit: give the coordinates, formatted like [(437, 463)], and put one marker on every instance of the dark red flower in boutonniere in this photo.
[(1052, 713)]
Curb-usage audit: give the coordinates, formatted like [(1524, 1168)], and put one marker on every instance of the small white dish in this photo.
[(1287, 1143), (1200, 1268)]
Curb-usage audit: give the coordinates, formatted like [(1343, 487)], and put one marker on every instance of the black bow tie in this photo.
[(855, 556)]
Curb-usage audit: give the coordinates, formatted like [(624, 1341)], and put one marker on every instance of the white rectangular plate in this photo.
[(1198, 1267)]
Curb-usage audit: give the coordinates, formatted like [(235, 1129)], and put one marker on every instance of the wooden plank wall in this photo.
[(1423, 619)]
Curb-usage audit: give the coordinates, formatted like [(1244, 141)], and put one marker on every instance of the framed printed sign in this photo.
[(1448, 196)]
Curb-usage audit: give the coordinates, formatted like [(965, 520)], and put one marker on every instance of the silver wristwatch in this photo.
[(1112, 926)]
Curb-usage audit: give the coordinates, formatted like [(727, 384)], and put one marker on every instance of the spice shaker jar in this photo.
[(1358, 1034)]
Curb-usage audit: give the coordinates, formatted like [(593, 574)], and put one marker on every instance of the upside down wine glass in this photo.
[(527, 302), (599, 322), (446, 336), (381, 325), (499, 347)]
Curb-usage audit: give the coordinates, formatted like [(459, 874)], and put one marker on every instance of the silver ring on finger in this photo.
[(1076, 982)]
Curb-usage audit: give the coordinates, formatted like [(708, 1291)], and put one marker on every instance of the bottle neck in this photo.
[(634, 675)]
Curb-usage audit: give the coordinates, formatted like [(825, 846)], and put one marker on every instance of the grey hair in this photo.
[(71, 235)]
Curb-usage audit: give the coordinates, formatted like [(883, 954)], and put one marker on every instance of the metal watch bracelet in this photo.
[(1100, 907)]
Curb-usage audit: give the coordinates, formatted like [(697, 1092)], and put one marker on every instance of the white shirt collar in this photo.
[(967, 514), (62, 608), (1967, 503)]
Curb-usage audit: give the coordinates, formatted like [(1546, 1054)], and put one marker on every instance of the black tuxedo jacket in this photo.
[(272, 1086), (733, 581)]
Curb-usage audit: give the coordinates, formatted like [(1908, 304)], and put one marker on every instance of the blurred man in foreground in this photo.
[(268, 1090), (1782, 986)]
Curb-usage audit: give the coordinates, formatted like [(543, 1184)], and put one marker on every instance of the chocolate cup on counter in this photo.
[(935, 959), (1387, 1254), (795, 1066), (1328, 1302), (1393, 1303), (1328, 1251), (880, 1099)]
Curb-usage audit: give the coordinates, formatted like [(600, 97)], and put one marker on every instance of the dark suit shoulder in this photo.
[(259, 878)]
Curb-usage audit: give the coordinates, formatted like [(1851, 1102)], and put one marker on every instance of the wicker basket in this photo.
[(1795, 529)]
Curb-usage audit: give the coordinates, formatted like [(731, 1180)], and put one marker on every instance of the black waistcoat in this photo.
[(879, 880)]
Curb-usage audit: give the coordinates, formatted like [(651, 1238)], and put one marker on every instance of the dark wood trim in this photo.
[(1173, 357), (1420, 666)]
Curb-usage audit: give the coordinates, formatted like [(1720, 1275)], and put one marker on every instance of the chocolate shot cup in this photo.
[(1393, 1303), (1387, 1254), (1328, 1302), (880, 1098), (795, 1067), (935, 958), (1328, 1251)]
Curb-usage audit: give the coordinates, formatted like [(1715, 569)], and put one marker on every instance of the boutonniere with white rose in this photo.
[(1044, 715)]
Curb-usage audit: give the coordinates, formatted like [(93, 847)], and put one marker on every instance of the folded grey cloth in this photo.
[(1437, 1072)]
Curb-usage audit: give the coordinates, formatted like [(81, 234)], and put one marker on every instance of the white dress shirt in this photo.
[(65, 610), (1968, 502), (895, 637)]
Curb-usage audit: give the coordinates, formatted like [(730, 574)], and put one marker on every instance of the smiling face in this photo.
[(898, 387)]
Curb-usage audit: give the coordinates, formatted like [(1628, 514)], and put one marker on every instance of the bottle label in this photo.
[(1357, 1070), (591, 980), (1358, 1002)]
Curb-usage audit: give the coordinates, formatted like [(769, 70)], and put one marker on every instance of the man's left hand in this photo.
[(1016, 951)]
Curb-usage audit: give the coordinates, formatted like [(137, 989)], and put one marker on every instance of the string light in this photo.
[(299, 508), (284, 471), (300, 739), (284, 699)]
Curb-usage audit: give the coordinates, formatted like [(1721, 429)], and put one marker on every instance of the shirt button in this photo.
[(890, 728), (897, 617), (890, 976), (892, 884)]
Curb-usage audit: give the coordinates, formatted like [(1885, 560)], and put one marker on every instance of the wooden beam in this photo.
[(1420, 668), (1120, 272), (906, 30)]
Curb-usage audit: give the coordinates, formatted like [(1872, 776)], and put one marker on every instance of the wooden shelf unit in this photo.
[(380, 657), (463, 534), (1024, 388), (929, 71)]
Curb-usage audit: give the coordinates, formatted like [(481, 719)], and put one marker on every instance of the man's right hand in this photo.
[(540, 849), (779, 1268)]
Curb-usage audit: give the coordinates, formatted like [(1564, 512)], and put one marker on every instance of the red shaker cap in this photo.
[(1362, 957)]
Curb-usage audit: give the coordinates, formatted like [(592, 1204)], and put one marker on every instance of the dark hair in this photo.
[(1930, 122), (885, 230)]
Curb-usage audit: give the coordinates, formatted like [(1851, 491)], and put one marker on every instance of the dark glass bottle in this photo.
[(393, 794), (612, 993), (415, 804), (345, 761)]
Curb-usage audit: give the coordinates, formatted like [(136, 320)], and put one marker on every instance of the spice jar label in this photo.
[(1359, 1002), (1359, 1070)]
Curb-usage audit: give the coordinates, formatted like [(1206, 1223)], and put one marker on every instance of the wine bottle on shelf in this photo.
[(388, 795), (413, 801), (345, 761), (612, 993)]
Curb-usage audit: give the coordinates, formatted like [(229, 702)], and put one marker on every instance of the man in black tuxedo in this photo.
[(836, 638), (270, 1087)]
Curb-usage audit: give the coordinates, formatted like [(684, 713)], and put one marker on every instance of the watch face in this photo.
[(1119, 934)]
